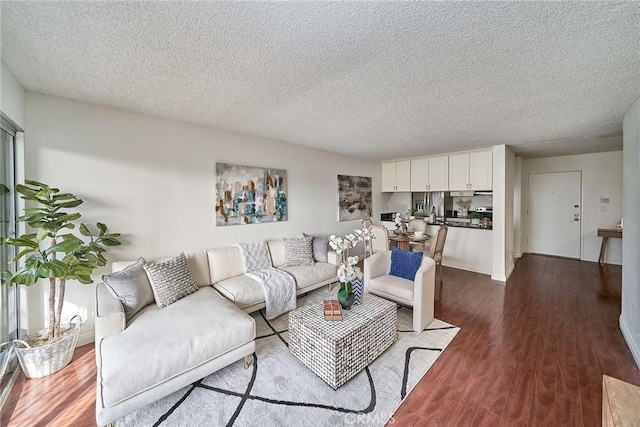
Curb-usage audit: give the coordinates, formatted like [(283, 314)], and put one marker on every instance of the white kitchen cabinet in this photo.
[(430, 174), (481, 170), (471, 171), (388, 177), (438, 173), (403, 176), (419, 171), (396, 176), (459, 172)]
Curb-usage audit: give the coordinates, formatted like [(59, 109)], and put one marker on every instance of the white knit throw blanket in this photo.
[(279, 286)]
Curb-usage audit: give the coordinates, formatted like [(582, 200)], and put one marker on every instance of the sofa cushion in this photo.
[(394, 286), (224, 263), (198, 263), (276, 249), (405, 264), (170, 280), (298, 251), (307, 275), (242, 290), (320, 248), (131, 286), (151, 342)]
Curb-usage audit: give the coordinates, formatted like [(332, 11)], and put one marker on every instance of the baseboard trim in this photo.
[(510, 269), (634, 347), (467, 268), (86, 339)]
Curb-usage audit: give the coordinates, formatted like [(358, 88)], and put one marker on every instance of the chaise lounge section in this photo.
[(160, 350)]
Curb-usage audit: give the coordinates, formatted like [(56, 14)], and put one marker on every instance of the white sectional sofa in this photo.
[(161, 350)]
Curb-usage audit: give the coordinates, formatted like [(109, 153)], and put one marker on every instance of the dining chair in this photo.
[(367, 223), (437, 247), (418, 225), (380, 241)]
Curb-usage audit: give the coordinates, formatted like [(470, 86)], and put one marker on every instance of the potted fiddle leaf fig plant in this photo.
[(55, 254)]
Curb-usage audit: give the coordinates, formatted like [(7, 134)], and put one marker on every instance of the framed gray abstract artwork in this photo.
[(354, 197)]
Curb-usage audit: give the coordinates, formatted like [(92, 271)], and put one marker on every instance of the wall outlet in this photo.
[(604, 198)]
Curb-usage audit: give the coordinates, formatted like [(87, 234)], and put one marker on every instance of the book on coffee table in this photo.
[(332, 310)]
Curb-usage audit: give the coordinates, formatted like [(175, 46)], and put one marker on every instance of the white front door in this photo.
[(554, 214)]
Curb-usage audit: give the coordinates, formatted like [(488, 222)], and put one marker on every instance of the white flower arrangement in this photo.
[(347, 269), (398, 220)]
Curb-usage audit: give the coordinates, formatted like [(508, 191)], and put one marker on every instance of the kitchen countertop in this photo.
[(461, 223), (464, 225)]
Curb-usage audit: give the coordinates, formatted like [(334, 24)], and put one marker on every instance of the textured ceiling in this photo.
[(369, 79)]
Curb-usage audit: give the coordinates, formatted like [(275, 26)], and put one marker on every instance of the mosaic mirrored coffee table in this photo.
[(337, 350)]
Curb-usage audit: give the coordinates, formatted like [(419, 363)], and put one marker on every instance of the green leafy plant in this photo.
[(412, 211), (474, 215), (52, 252)]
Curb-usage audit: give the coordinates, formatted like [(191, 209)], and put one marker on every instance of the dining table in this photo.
[(403, 240)]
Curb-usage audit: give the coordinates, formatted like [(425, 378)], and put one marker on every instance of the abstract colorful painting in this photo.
[(354, 197), (250, 195)]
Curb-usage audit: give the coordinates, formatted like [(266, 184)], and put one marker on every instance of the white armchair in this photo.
[(418, 294)]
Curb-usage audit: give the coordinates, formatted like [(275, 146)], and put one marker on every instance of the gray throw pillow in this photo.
[(320, 248), (298, 251), (171, 280), (131, 286)]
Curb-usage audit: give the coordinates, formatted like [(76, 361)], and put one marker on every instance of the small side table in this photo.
[(605, 233)]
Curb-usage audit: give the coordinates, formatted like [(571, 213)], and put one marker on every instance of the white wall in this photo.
[(503, 188), (601, 176), (153, 179), (466, 248), (395, 202), (12, 96), (519, 207), (630, 317)]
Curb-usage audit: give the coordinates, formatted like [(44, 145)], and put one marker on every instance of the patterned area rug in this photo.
[(279, 390)]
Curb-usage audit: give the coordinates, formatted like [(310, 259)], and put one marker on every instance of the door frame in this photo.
[(528, 220)]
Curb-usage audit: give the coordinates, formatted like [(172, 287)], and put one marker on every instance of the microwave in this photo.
[(388, 216)]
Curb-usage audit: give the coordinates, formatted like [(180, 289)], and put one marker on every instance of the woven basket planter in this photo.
[(38, 362)]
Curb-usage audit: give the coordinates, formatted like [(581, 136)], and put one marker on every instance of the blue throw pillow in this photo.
[(405, 264)]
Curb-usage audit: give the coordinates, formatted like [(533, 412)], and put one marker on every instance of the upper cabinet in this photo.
[(430, 174), (481, 170), (396, 176), (459, 172), (471, 171)]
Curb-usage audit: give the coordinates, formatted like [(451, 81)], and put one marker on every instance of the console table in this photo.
[(605, 233)]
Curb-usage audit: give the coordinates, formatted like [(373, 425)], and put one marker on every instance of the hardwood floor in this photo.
[(529, 353)]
